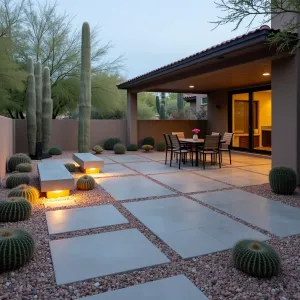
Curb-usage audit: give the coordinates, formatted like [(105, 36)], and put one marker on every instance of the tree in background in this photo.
[(263, 11)]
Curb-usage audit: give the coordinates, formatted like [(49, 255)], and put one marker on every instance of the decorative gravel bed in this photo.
[(264, 190), (214, 274)]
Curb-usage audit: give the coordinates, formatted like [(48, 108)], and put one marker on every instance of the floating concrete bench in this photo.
[(55, 179), (88, 162)]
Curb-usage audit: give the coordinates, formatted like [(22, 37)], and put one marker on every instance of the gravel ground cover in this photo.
[(214, 274)]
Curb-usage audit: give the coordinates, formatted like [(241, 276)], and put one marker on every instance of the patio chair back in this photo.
[(174, 141), (227, 137), (179, 134), (167, 141), (215, 133), (211, 142)]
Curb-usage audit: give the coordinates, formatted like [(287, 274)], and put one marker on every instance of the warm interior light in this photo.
[(58, 193), (266, 74), (191, 86), (90, 170)]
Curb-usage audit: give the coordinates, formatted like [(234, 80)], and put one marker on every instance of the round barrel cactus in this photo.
[(28, 192), (16, 179), (16, 248), (97, 149), (147, 148), (24, 167), (283, 180), (55, 151), (14, 209), (17, 159), (86, 183), (256, 258), (132, 147), (119, 148), (161, 146), (110, 143), (70, 167), (148, 141)]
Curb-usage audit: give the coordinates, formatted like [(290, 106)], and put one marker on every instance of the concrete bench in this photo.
[(88, 162), (55, 179)]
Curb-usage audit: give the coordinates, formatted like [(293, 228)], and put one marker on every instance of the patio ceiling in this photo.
[(233, 64)]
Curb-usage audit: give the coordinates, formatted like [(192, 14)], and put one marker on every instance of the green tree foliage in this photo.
[(253, 12)]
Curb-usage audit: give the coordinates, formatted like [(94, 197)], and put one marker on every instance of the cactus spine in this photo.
[(85, 91), (47, 110), (39, 96), (31, 108)]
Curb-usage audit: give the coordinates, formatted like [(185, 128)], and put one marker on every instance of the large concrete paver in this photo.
[(262, 169), (67, 220), (127, 158), (273, 216), (132, 187), (85, 257), (190, 228), (188, 182), (152, 167), (173, 288)]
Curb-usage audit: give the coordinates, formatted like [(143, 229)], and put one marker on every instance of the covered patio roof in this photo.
[(239, 62)]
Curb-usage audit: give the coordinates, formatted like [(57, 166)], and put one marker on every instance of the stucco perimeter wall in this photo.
[(65, 133), (156, 128), (7, 133), (217, 112)]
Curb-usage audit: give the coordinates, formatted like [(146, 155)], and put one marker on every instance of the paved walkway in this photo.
[(186, 209)]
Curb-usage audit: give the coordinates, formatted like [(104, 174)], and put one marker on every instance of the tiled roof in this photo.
[(266, 29), (187, 96)]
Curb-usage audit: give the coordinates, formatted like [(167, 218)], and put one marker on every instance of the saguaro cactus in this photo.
[(39, 97), (31, 108), (157, 102), (47, 110), (180, 103), (85, 91)]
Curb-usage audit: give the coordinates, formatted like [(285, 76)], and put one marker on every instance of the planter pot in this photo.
[(195, 137)]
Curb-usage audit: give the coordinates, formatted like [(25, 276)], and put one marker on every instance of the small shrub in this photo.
[(97, 149), (119, 149), (16, 248), (161, 146), (256, 258), (283, 180), (110, 143), (14, 209), (17, 159), (148, 141), (147, 148), (28, 192), (55, 151), (70, 167), (24, 168), (16, 179), (86, 183), (132, 147)]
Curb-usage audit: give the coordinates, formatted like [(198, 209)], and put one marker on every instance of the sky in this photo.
[(151, 33)]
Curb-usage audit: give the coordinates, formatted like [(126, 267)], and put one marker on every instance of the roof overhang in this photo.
[(230, 61)]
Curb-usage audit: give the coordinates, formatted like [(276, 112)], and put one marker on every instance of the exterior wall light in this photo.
[(266, 74), (191, 86)]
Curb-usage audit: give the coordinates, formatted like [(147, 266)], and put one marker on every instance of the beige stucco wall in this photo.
[(65, 133), (156, 128), (217, 111), (6, 143)]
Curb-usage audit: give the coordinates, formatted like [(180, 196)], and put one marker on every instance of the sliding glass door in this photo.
[(249, 113)]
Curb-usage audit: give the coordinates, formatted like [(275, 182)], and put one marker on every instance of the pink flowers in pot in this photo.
[(196, 131)]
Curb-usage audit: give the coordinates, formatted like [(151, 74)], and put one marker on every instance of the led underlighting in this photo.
[(58, 193), (266, 74), (191, 86), (90, 170)]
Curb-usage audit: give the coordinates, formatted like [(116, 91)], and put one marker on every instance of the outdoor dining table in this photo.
[(196, 143)]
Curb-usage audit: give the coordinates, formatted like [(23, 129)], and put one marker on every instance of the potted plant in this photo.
[(195, 134)]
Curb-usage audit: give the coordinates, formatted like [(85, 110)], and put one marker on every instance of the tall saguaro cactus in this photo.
[(180, 103), (85, 91), (162, 111), (157, 102), (39, 96), (31, 108), (47, 110)]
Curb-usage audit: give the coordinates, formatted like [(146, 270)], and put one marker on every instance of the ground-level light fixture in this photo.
[(266, 74), (90, 170), (58, 193), (191, 86)]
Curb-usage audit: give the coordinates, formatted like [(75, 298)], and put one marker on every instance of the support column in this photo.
[(286, 112), (132, 118)]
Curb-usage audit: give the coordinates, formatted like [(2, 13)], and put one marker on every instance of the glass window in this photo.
[(203, 101)]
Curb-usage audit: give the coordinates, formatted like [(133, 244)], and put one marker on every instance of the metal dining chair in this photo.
[(168, 146), (226, 145), (212, 147)]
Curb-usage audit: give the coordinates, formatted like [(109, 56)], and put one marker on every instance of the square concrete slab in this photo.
[(67, 220), (88, 160), (60, 203), (132, 187), (262, 169), (127, 158), (159, 156), (188, 182), (173, 288), (115, 170), (273, 216), (98, 255), (107, 160), (152, 167), (235, 176), (190, 228)]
